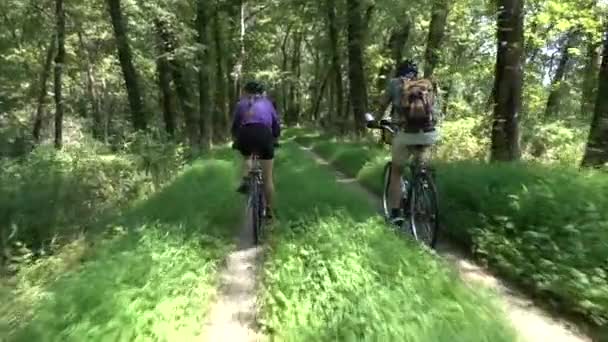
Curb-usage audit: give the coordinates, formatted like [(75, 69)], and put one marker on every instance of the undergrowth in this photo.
[(336, 272), (151, 279), (543, 226)]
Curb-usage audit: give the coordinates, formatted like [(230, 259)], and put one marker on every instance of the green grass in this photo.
[(544, 227), (151, 281), (335, 272)]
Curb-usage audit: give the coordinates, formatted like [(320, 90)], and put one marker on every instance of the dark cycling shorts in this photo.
[(255, 138)]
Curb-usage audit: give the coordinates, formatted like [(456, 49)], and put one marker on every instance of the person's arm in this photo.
[(236, 119)]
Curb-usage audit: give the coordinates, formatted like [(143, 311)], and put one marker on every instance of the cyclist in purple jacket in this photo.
[(255, 129)]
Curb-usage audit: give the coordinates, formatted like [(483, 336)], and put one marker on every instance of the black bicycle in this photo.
[(256, 203), (418, 196)]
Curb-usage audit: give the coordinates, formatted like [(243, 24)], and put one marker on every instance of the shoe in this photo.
[(268, 215), (396, 221), (244, 187)]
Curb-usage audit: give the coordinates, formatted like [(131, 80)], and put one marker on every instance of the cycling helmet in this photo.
[(407, 68), (254, 87)]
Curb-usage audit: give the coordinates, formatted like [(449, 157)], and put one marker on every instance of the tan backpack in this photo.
[(417, 102)]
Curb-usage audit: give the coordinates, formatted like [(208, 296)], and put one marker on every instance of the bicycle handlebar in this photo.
[(385, 124)]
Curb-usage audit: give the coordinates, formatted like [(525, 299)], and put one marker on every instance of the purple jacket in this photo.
[(256, 110)]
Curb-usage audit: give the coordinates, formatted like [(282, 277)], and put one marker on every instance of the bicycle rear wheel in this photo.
[(254, 205), (424, 210)]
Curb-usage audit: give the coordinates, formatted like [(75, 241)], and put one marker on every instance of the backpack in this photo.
[(417, 102)]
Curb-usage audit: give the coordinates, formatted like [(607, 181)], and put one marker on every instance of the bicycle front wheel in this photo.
[(386, 183), (424, 210)]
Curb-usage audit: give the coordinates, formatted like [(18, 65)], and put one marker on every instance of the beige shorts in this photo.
[(406, 145)]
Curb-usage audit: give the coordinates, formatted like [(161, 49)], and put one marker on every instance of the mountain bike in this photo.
[(256, 202), (418, 195)]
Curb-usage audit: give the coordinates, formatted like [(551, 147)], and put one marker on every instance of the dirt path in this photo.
[(232, 317), (532, 323)]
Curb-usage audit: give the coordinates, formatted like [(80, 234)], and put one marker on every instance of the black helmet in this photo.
[(254, 87), (407, 68)]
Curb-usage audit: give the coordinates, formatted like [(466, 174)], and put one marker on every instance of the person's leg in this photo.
[(399, 158), (243, 144)]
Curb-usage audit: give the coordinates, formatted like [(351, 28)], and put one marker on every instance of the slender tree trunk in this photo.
[(220, 118), (59, 64), (180, 81), (439, 18), (91, 88), (338, 88), (358, 88), (285, 81), (205, 118), (592, 67), (508, 81), (126, 63), (44, 76), (596, 153), (553, 101), (293, 113), (317, 104), (163, 70)]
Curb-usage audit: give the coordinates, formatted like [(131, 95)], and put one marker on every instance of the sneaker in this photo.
[(396, 218), (244, 187), (396, 221), (268, 215)]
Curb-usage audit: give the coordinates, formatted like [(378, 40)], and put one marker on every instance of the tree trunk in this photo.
[(508, 81), (44, 76), (553, 101), (205, 119), (356, 72), (220, 118), (126, 63), (293, 113), (338, 87), (164, 84), (596, 153), (436, 33), (319, 97), (180, 81), (592, 67), (91, 89), (59, 63), (285, 81)]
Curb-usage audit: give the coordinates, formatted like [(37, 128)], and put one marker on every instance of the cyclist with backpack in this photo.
[(413, 110), (255, 129)]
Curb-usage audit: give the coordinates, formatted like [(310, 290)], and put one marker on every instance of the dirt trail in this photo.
[(232, 317), (532, 323)]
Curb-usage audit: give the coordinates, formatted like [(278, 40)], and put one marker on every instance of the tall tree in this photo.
[(59, 64), (91, 87), (338, 88), (205, 118), (596, 153), (508, 80), (163, 70), (180, 81), (220, 119), (590, 74), (553, 101), (356, 72), (126, 63), (42, 94), (439, 18)]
